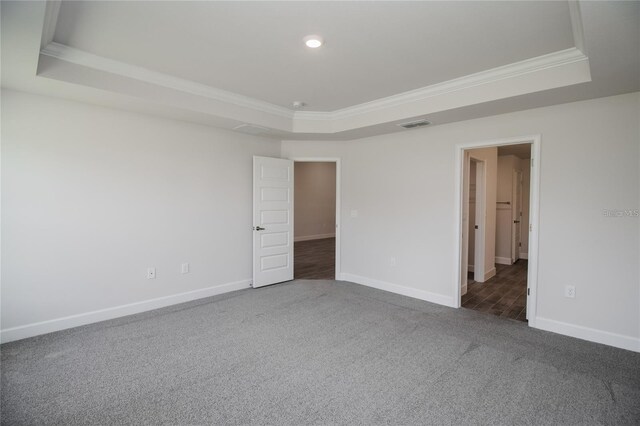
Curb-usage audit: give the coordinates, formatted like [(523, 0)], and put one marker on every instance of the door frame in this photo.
[(336, 160), (534, 212)]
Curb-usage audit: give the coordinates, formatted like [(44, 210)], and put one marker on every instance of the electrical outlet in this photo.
[(151, 273), (184, 268), (570, 291), (392, 261)]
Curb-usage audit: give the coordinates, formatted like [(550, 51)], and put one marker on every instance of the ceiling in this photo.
[(371, 50), (522, 151), (228, 64)]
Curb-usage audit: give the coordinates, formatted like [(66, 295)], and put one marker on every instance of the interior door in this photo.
[(464, 263), (272, 221), (516, 215)]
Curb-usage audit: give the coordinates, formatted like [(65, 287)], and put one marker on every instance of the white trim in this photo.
[(576, 26), (524, 256), (89, 60), (532, 270), (440, 299), (490, 274), (51, 13), (49, 326), (590, 334), (504, 72), (314, 237), (338, 233), (503, 260)]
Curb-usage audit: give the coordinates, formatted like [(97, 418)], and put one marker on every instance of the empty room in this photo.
[(323, 213)]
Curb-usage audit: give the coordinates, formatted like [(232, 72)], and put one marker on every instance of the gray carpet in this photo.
[(315, 352)]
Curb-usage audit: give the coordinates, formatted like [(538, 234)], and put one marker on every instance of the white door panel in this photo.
[(516, 215), (272, 221)]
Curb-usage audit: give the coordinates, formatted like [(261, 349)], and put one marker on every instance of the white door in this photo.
[(465, 224), (272, 221), (480, 222), (516, 213)]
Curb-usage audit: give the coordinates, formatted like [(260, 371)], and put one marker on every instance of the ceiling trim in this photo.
[(89, 60), (576, 26), (82, 58), (51, 12), (539, 63)]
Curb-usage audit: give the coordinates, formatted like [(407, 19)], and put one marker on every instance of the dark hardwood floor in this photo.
[(315, 259), (504, 295)]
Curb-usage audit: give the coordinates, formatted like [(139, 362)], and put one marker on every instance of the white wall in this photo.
[(402, 186), (92, 196), (315, 200)]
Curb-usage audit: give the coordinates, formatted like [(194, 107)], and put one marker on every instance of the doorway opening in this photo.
[(498, 227), (315, 219)]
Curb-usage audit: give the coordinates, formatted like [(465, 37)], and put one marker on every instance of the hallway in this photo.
[(315, 259), (504, 295)]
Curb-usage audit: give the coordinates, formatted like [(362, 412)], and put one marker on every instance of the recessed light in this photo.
[(313, 41)]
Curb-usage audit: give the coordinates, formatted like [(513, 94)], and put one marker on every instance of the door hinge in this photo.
[(528, 292), (519, 244)]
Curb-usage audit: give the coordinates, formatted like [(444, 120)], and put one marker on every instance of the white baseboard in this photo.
[(399, 289), (524, 256), (590, 334), (503, 260), (35, 329), (490, 273), (314, 237)]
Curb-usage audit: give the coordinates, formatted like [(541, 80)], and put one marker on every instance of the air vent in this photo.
[(413, 124), (250, 129)]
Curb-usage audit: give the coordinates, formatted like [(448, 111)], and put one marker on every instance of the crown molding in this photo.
[(532, 65), (89, 60), (51, 12), (576, 26)]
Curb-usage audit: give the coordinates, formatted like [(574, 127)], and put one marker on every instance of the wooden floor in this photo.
[(504, 295), (315, 259)]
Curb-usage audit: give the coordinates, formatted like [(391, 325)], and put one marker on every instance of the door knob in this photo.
[(259, 228)]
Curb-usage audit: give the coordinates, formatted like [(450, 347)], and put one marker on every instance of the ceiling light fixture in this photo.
[(313, 41), (298, 104)]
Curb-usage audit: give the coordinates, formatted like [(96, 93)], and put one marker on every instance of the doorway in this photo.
[(511, 175), (316, 207)]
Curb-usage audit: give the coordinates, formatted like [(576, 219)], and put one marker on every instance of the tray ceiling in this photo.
[(372, 49), (232, 63)]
